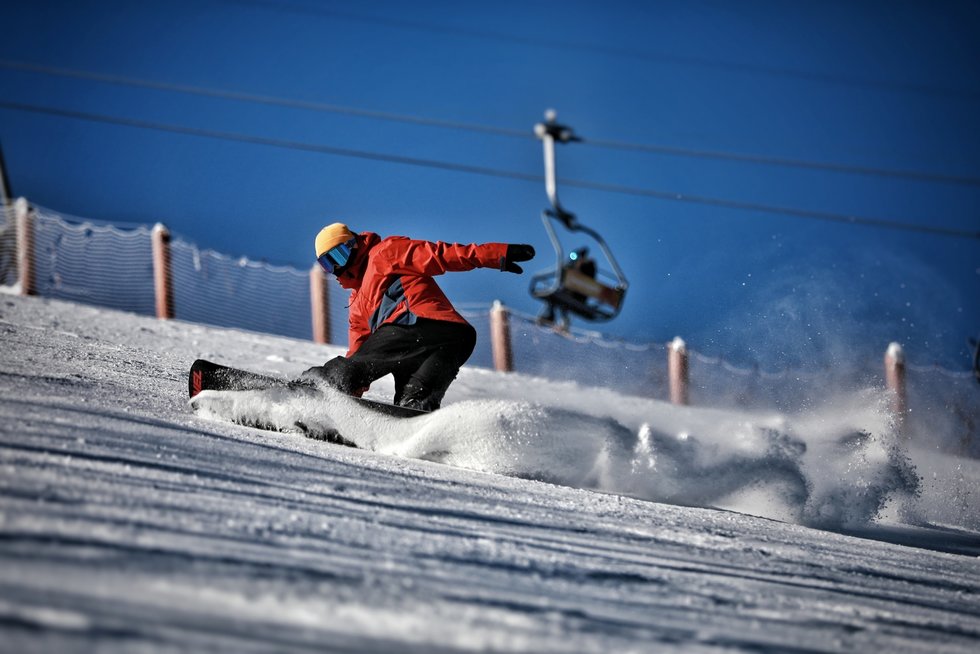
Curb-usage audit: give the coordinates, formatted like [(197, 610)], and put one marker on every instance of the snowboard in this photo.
[(209, 376)]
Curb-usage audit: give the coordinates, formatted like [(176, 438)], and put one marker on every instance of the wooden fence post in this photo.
[(677, 371), (320, 304), (895, 381), (163, 287), (25, 247), (503, 355)]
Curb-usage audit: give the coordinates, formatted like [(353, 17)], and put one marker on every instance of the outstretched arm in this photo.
[(406, 256)]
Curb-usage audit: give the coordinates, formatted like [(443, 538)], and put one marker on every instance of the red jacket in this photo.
[(392, 280)]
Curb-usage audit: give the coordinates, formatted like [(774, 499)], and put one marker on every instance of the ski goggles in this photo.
[(336, 257)]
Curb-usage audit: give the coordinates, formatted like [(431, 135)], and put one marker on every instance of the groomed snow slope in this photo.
[(128, 523)]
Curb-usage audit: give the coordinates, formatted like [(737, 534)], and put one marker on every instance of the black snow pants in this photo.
[(424, 359)]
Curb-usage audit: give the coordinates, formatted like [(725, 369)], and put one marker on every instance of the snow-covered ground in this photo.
[(524, 516)]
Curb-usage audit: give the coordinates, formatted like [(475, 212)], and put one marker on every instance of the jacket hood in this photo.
[(352, 275)]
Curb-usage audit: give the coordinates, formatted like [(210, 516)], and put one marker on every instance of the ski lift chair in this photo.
[(596, 298), (569, 290)]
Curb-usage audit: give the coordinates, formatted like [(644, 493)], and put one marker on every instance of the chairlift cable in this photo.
[(619, 51), (371, 114), (491, 172)]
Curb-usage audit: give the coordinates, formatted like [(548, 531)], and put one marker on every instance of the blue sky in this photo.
[(805, 111)]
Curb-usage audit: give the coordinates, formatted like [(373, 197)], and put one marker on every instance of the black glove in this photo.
[(516, 253)]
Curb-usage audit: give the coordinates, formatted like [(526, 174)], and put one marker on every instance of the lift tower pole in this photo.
[(550, 131)]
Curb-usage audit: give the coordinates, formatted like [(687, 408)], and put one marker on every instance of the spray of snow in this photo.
[(837, 468)]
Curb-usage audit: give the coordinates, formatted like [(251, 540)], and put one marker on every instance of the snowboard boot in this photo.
[(417, 396), (339, 373)]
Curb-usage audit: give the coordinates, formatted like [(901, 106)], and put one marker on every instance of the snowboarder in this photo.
[(401, 322)]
